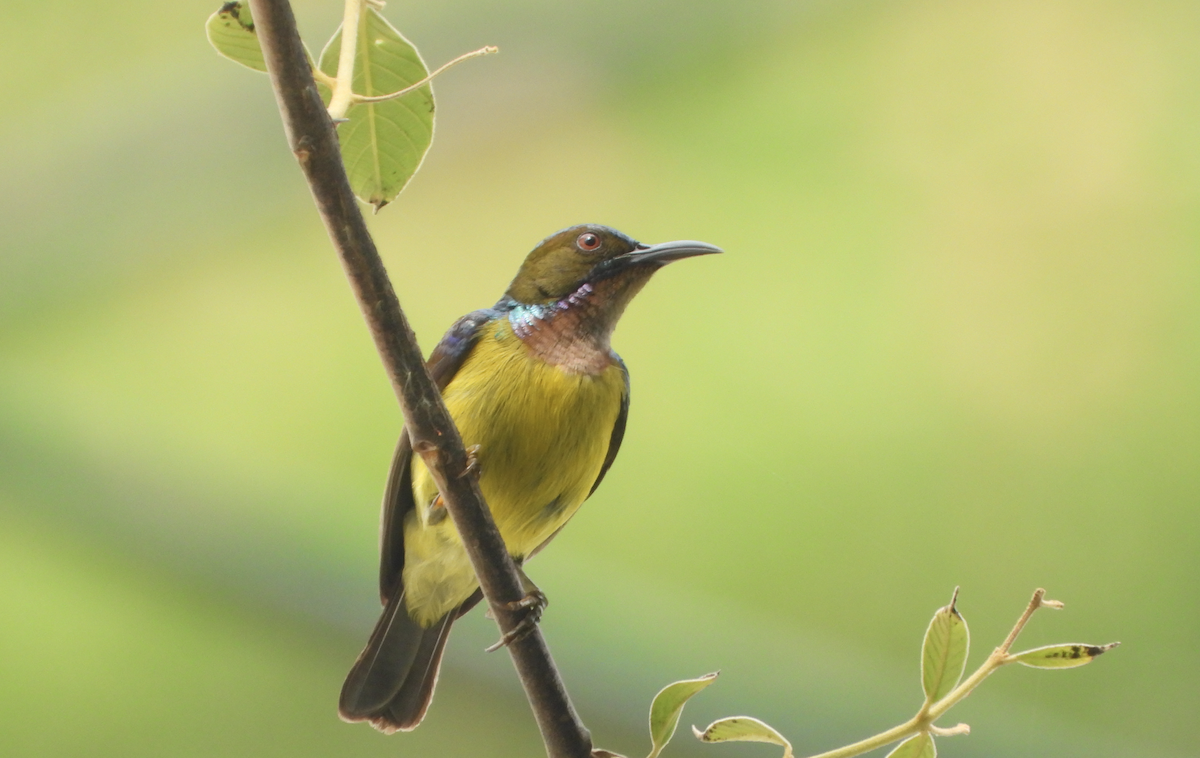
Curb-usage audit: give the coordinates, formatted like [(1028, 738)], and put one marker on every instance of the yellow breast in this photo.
[(543, 434)]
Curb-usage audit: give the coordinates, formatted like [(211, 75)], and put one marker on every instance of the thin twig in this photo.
[(1034, 603), (929, 713), (895, 734), (311, 137)]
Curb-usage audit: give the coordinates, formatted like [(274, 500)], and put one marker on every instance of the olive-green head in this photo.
[(588, 254)]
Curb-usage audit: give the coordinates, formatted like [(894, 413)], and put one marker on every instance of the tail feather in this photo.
[(392, 681), (407, 708)]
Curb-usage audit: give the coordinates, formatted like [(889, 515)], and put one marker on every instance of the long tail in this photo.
[(392, 681)]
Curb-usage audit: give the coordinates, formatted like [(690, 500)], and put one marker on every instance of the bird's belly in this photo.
[(543, 434)]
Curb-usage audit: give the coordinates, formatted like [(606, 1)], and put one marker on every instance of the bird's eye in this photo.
[(588, 242)]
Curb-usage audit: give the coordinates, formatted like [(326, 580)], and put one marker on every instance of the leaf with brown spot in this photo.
[(1061, 656), (743, 729), (231, 32)]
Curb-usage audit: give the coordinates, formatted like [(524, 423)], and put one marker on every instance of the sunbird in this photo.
[(541, 399)]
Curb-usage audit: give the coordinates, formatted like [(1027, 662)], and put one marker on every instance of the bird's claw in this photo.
[(437, 511), (531, 606), (534, 599), (472, 467), (519, 632)]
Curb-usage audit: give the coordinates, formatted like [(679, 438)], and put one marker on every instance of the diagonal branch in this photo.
[(311, 135)]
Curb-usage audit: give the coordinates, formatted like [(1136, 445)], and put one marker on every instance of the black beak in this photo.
[(655, 255), (666, 252)]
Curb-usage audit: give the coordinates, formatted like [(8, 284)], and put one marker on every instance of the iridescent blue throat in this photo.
[(527, 319)]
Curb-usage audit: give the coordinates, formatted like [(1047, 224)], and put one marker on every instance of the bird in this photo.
[(541, 399)]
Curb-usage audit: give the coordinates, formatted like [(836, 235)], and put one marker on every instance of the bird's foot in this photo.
[(437, 511), (531, 607), (472, 468)]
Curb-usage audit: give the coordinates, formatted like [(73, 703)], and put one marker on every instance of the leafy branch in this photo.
[(943, 661), (374, 84)]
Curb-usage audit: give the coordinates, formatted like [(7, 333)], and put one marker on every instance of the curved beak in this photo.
[(654, 255), (666, 252)]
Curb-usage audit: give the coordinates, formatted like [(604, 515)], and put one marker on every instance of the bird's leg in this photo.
[(437, 511), (532, 605)]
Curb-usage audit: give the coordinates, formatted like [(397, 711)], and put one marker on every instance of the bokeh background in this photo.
[(955, 341)]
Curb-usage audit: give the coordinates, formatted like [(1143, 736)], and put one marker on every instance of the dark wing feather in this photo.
[(443, 363), (397, 502), (618, 432)]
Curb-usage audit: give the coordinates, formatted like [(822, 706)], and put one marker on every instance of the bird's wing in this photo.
[(614, 445), (443, 364), (618, 432)]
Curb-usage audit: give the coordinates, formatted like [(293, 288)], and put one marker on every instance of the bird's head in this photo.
[(597, 261)]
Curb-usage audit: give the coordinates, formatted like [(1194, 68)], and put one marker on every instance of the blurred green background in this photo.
[(955, 341)]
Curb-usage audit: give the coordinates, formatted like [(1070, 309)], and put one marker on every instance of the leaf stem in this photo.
[(949, 731), (355, 99), (343, 93), (323, 78)]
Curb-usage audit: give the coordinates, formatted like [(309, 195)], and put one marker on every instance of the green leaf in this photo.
[(231, 31), (1061, 656), (743, 729), (921, 746), (383, 144), (668, 705), (944, 652)]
